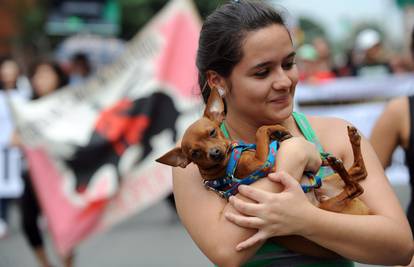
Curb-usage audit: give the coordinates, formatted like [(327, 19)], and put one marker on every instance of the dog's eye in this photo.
[(196, 154), (213, 133)]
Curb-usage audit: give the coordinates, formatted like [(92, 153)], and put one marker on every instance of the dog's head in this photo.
[(203, 142)]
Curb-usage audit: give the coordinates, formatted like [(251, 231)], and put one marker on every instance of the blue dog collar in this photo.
[(228, 185)]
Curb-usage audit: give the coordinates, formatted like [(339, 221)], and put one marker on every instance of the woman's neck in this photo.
[(246, 130)]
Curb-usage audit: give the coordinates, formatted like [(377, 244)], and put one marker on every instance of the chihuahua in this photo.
[(205, 145)]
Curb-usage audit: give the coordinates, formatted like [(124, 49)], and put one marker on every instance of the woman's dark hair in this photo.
[(222, 35), (63, 79)]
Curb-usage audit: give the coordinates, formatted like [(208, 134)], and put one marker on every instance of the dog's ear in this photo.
[(175, 158), (215, 107)]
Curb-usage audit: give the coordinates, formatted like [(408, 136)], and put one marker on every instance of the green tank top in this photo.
[(271, 254)]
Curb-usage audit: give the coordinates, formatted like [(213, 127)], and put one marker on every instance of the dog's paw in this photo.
[(334, 162), (354, 136), (280, 135), (354, 190)]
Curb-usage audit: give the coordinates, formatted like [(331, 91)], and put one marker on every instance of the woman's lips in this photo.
[(280, 100)]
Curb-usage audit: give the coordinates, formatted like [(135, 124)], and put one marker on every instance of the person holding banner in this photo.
[(246, 50), (46, 78)]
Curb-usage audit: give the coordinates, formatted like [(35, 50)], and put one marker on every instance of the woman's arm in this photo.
[(202, 211), (391, 129), (384, 238)]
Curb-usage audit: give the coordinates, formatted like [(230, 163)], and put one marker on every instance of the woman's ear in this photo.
[(215, 80)]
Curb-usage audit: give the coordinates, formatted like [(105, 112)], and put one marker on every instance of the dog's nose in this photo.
[(216, 154)]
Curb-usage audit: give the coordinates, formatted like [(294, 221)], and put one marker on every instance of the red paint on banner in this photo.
[(177, 61)]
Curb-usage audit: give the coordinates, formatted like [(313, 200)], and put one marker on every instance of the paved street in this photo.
[(151, 238)]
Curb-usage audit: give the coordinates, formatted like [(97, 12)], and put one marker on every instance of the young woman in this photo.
[(46, 77), (246, 50)]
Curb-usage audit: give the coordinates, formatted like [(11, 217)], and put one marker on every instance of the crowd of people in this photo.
[(259, 54), (44, 77), (366, 57)]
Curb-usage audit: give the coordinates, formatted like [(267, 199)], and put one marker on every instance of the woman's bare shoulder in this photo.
[(332, 133), (327, 126)]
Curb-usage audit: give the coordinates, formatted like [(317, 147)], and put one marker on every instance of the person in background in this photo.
[(12, 79), (313, 64), (395, 128), (46, 77), (79, 69), (16, 85), (326, 69), (371, 58)]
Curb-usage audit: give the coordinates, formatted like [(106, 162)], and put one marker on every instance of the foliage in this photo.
[(311, 29), (135, 13)]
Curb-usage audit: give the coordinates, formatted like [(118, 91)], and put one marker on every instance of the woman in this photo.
[(246, 50), (46, 77)]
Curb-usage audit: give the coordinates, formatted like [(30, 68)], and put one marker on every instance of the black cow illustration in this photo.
[(127, 123)]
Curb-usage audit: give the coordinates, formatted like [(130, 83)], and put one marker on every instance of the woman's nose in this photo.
[(281, 81)]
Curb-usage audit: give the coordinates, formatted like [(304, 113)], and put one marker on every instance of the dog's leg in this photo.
[(263, 137), (357, 172), (337, 203), (352, 188)]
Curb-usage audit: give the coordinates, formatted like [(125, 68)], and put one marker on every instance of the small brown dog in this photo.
[(205, 145)]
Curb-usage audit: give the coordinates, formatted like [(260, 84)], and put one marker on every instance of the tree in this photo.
[(135, 13)]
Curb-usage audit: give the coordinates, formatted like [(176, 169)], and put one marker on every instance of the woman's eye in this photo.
[(262, 73), (213, 133), (288, 65)]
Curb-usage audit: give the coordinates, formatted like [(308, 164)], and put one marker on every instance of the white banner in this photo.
[(356, 88), (91, 148)]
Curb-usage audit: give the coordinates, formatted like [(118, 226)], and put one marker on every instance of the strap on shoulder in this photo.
[(224, 130), (310, 135), (307, 130)]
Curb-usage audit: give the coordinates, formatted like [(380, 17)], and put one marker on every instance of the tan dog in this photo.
[(205, 145)]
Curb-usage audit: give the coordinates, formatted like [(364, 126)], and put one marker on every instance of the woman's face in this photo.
[(45, 80), (262, 84), (9, 72)]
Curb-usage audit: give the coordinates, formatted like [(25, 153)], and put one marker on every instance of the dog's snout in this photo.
[(216, 154)]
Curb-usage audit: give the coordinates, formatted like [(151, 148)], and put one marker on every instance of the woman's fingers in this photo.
[(244, 221), (255, 194), (256, 238), (285, 179), (244, 207)]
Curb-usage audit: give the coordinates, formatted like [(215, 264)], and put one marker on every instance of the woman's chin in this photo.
[(281, 114)]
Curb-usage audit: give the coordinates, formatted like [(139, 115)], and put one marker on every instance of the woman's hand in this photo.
[(272, 214)]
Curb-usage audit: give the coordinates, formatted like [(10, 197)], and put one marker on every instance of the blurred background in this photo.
[(353, 57)]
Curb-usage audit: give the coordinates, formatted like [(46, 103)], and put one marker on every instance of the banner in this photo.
[(350, 89), (91, 148)]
